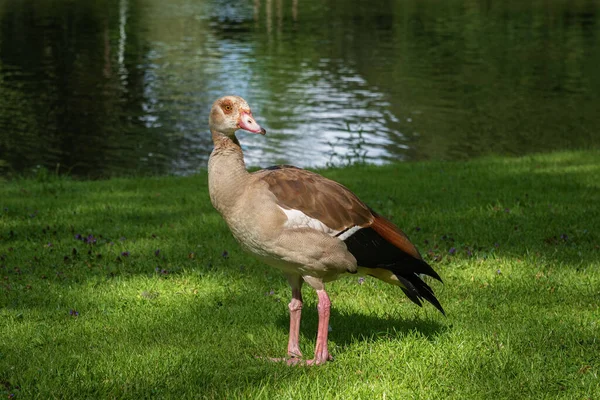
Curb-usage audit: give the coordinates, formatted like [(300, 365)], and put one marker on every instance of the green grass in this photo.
[(164, 304)]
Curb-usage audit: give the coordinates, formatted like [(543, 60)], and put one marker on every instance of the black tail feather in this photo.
[(371, 250), (426, 269), (416, 290)]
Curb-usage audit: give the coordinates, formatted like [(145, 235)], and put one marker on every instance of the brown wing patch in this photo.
[(316, 196), (395, 236)]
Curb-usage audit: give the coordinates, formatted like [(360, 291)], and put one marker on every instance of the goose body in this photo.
[(311, 228)]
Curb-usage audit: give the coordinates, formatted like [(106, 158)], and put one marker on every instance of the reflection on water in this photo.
[(115, 87)]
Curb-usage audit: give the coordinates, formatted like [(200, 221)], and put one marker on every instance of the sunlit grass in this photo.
[(134, 288)]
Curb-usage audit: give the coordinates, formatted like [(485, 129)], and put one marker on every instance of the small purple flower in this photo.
[(225, 254), (417, 229), (157, 253), (452, 250), (564, 237), (507, 210), (498, 272), (271, 292), (49, 245), (90, 239), (125, 254), (78, 237), (73, 313), (122, 238), (496, 244), (361, 280)]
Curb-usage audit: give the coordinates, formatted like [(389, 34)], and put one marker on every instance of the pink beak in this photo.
[(248, 123)]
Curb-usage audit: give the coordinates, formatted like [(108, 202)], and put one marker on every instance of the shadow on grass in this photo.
[(208, 341), (519, 206), (512, 207), (352, 327), (523, 206)]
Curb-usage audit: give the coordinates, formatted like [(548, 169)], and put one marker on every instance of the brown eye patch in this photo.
[(227, 107)]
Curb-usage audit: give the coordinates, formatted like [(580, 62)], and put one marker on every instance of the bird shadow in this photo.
[(349, 327)]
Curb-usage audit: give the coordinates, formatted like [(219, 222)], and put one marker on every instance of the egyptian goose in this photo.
[(311, 228)]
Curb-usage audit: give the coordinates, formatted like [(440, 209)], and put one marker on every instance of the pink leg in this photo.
[(295, 307), (321, 353)]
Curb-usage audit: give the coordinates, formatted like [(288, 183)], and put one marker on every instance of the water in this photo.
[(117, 87)]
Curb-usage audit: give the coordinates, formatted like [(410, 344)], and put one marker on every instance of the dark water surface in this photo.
[(112, 87)]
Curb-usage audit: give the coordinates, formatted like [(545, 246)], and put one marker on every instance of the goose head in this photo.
[(230, 113)]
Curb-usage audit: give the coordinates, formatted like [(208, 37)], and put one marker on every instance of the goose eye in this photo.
[(227, 107)]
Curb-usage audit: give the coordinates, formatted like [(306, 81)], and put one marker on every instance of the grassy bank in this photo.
[(134, 288)]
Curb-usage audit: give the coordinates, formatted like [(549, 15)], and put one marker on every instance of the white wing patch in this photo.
[(349, 232), (297, 219)]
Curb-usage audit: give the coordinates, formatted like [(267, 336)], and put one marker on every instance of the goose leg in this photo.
[(294, 355), (295, 307), (321, 352)]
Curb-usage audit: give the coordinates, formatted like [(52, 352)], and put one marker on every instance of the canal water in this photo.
[(119, 87)]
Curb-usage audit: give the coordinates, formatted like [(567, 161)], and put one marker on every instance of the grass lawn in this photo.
[(134, 288)]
